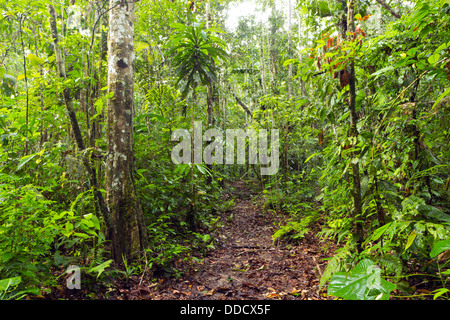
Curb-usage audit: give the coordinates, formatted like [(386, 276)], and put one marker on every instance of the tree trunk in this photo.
[(87, 160), (130, 237), (210, 90), (389, 9), (289, 51), (263, 73), (300, 58), (354, 133)]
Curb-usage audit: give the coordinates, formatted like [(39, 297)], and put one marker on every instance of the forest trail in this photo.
[(245, 263)]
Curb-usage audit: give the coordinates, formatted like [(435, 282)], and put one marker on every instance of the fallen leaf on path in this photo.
[(210, 292), (294, 291), (272, 295)]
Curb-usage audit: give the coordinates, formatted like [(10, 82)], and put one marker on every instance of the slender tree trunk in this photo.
[(103, 48), (190, 216), (34, 27), (354, 133), (130, 236), (210, 91), (288, 125), (209, 88), (26, 81), (289, 51), (263, 72), (300, 58), (76, 128), (389, 9)]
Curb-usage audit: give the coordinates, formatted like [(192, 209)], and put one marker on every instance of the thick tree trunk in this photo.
[(130, 237)]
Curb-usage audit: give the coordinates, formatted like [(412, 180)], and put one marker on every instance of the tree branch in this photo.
[(246, 109), (389, 9)]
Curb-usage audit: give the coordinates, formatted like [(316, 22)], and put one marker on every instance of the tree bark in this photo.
[(289, 51), (210, 92), (263, 73), (246, 109), (26, 82), (130, 237), (354, 133), (389, 9), (209, 88)]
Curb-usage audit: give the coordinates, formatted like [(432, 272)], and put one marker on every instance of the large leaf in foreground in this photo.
[(364, 282)]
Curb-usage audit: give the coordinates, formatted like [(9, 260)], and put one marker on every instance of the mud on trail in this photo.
[(245, 263)]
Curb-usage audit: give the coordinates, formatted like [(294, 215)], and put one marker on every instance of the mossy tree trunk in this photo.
[(130, 235)]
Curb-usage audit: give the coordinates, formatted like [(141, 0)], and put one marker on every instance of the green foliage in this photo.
[(400, 148), (197, 53), (439, 247), (9, 289), (99, 269), (364, 282), (31, 230), (165, 246), (49, 216), (293, 230)]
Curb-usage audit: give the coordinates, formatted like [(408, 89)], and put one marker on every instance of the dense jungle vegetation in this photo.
[(92, 92)]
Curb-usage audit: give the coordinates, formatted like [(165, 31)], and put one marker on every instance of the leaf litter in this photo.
[(246, 264)]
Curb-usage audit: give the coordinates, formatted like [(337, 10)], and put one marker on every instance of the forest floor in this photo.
[(245, 263)]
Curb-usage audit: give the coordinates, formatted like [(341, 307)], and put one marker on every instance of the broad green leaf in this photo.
[(60, 215), (79, 196), (289, 61), (442, 96), (81, 235), (69, 226), (439, 292), (434, 58), (5, 284), (35, 60), (93, 218), (411, 238), (177, 25), (433, 212), (24, 160), (100, 268), (364, 282), (439, 247)]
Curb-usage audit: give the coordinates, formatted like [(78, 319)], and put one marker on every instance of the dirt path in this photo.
[(246, 264)]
